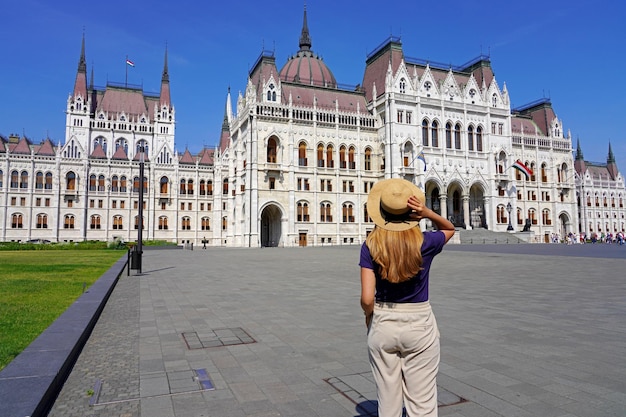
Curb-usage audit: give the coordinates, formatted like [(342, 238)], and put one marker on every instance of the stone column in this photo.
[(466, 212)]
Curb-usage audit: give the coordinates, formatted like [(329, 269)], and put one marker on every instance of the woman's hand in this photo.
[(420, 211)]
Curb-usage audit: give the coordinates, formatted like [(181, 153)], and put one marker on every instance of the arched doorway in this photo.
[(270, 226), (564, 224), (476, 206)]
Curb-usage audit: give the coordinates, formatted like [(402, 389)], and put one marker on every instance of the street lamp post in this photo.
[(509, 208), (140, 220)]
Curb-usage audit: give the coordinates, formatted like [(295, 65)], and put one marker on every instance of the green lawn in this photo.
[(36, 287)]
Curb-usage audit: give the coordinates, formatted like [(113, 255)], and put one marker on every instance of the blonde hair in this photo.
[(398, 253)]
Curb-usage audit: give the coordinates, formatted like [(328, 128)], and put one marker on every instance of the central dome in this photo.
[(305, 67)]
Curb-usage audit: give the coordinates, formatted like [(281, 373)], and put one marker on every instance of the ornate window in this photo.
[(162, 222), (70, 181), (68, 221), (402, 85), (143, 223), (425, 132), (123, 184), (367, 160), (271, 150), (434, 134), (95, 222), (325, 212), (163, 184), (39, 180), (470, 138), (48, 184), (206, 223), (347, 213), (24, 179), (302, 161), (320, 155), (42, 221), (303, 212), (330, 162), (16, 221), (118, 223), (448, 136), (342, 157), (457, 136), (479, 139), (225, 186)]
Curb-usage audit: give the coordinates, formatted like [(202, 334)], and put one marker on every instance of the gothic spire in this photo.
[(611, 157), (80, 85), (579, 151), (165, 84), (82, 64), (305, 39)]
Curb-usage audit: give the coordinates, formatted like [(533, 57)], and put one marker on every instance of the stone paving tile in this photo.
[(518, 339)]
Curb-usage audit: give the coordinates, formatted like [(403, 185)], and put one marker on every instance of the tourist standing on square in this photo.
[(403, 338)]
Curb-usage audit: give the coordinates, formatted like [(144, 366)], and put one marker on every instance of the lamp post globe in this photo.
[(509, 208)]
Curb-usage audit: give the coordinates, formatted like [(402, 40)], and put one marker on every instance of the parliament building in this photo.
[(297, 155)]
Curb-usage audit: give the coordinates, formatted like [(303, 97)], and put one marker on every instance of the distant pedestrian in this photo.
[(403, 338), (204, 242)]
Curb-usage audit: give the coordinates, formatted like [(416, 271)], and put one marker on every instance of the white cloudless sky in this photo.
[(571, 51)]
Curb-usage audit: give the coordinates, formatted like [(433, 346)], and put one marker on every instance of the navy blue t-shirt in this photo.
[(414, 290)]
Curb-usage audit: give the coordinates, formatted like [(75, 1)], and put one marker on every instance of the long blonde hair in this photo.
[(399, 253)]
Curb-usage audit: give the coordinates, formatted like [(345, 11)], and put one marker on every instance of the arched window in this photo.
[(135, 184), (16, 221), (368, 160), (142, 144), (366, 216), (470, 138), (320, 155), (163, 183), (206, 223), (533, 168), (117, 223), (342, 157), (183, 186), (190, 187), (202, 187), (330, 162), (544, 172), (347, 214), (143, 223), (351, 161), (479, 139), (271, 150), (24, 179), (123, 184), (121, 143), (70, 181), (494, 100), (48, 184), (225, 186), (42, 221), (209, 187), (1, 179), (15, 179), (302, 161), (457, 136), (224, 223), (520, 218), (39, 180), (325, 212), (162, 222), (68, 221), (425, 132), (402, 85), (100, 182), (95, 222), (448, 136), (303, 212), (100, 141), (532, 216), (545, 217), (434, 134), (92, 182), (501, 214), (115, 183)]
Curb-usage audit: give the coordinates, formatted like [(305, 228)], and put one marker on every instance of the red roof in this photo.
[(187, 158), (98, 152), (206, 157), (120, 153), (22, 147), (46, 148)]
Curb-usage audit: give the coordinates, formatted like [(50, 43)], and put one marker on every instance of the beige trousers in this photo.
[(403, 341)]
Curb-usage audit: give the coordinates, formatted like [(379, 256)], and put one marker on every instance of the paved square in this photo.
[(527, 330)]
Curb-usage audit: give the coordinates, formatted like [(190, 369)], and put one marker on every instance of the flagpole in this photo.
[(126, 66)]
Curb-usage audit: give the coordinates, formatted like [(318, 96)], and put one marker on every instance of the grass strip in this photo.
[(37, 287)]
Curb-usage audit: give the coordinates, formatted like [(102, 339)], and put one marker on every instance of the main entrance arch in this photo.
[(270, 226)]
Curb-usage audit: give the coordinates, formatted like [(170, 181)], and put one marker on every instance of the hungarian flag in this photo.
[(519, 165), (421, 157), (129, 62)]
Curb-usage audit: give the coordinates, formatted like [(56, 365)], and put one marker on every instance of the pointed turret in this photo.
[(80, 86), (229, 108), (611, 165), (305, 38), (165, 84), (579, 161)]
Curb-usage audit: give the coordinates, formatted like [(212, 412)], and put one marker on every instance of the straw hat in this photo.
[(387, 204)]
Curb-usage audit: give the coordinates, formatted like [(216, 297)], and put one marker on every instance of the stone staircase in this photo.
[(484, 236)]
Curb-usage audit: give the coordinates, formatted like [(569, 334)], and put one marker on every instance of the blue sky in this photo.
[(570, 51)]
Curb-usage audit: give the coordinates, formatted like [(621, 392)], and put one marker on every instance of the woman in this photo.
[(403, 338)]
